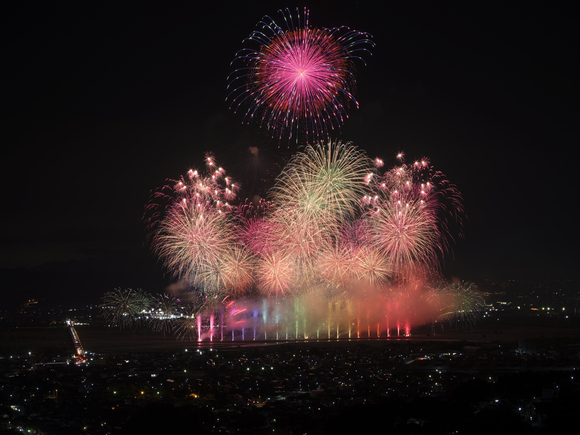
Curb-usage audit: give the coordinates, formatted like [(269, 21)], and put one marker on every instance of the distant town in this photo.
[(65, 371)]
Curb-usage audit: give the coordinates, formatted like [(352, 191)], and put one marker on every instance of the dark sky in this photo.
[(104, 102)]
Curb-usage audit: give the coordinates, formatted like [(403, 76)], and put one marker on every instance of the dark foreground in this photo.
[(517, 378)]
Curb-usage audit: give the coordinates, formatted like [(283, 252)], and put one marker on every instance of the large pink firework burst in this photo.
[(300, 81)]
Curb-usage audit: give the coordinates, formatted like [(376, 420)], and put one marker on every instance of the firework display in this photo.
[(340, 248), (297, 82), (123, 307), (193, 233)]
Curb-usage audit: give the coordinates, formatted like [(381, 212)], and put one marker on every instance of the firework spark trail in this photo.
[(372, 267), (336, 231), (192, 231), (317, 192), (193, 241), (300, 236), (405, 233), (298, 79), (237, 268), (275, 274), (426, 209), (335, 265), (213, 189), (164, 311), (252, 225), (412, 215), (462, 303), (122, 307), (325, 180)]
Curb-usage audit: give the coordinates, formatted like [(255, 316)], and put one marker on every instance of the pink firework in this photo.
[(420, 183), (275, 274), (253, 227), (191, 230), (193, 240), (412, 215), (371, 267), (210, 189), (405, 233), (335, 265), (237, 267), (300, 81)]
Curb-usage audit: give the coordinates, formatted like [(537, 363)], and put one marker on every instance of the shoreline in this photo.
[(103, 340)]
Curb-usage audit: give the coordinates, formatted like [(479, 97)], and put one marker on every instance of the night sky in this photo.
[(104, 102)]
